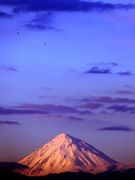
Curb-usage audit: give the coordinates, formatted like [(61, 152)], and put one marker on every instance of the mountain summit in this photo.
[(65, 153)]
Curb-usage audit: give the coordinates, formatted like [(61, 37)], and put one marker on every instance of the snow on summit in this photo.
[(65, 153)]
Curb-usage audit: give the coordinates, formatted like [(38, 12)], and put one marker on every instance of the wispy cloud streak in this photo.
[(116, 128), (8, 68), (9, 123)]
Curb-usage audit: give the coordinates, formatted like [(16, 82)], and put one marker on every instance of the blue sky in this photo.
[(64, 71)]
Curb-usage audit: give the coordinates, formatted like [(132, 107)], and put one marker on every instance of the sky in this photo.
[(67, 66)]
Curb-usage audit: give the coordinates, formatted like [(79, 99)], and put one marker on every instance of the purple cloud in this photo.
[(113, 64), (124, 105), (9, 123), (106, 68), (11, 111), (38, 27), (125, 73), (61, 117), (8, 68), (74, 118), (49, 107), (127, 90), (91, 105), (52, 108), (54, 116), (62, 5), (5, 15), (108, 99), (85, 112), (97, 70), (105, 64), (42, 109), (122, 108), (116, 128), (41, 21)]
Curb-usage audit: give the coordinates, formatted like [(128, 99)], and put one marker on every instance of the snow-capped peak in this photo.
[(65, 153), (62, 137)]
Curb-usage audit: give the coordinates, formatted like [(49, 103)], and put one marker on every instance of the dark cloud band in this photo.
[(62, 5), (9, 123), (8, 68), (116, 128), (97, 70), (42, 109), (5, 15), (122, 108)]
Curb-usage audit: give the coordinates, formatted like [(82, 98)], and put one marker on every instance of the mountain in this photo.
[(65, 153)]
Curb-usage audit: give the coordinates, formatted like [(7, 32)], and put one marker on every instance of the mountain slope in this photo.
[(65, 153)]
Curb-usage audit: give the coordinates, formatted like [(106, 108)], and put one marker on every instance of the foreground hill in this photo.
[(109, 175)]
